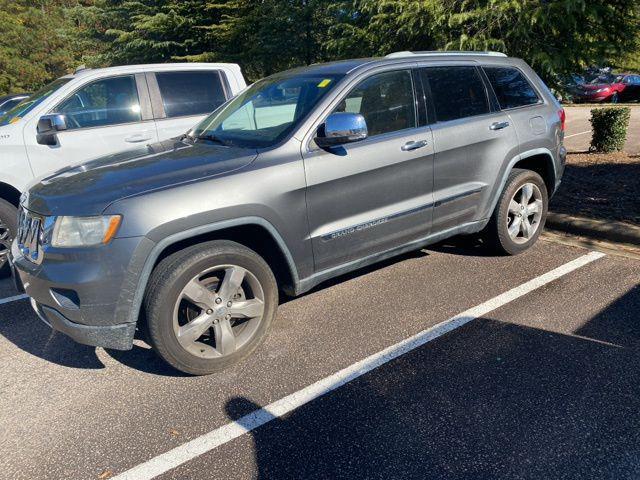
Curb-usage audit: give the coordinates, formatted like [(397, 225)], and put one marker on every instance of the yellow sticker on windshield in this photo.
[(324, 83), (15, 120)]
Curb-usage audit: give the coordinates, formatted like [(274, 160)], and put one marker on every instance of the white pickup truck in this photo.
[(96, 112)]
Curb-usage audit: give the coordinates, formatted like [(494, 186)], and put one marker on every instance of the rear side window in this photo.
[(456, 92), (190, 93), (511, 87)]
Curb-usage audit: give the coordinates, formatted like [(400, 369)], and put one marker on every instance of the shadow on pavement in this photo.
[(24, 329), (603, 191), (490, 400)]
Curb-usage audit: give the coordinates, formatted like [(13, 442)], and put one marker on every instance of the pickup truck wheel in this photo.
[(209, 306), (520, 213), (8, 228)]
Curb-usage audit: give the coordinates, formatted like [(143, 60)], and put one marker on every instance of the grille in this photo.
[(30, 235)]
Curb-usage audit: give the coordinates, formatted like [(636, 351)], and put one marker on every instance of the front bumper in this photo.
[(118, 337), (85, 293)]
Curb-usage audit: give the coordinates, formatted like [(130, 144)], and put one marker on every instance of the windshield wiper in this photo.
[(211, 137)]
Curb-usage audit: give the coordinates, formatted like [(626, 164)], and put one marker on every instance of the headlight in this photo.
[(84, 231)]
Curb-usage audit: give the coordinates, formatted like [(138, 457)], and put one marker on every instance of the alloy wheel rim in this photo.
[(525, 213), (218, 311), (5, 241)]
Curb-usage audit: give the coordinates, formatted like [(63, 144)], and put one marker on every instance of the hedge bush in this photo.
[(609, 128)]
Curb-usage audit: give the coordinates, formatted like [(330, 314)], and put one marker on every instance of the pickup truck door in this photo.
[(104, 116), (181, 99), (370, 196)]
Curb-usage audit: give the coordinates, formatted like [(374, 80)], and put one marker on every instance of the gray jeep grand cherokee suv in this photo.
[(303, 176)]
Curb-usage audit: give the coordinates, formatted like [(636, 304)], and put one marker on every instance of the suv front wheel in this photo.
[(209, 306), (520, 213)]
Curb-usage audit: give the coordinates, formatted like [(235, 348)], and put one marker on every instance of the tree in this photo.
[(553, 36)]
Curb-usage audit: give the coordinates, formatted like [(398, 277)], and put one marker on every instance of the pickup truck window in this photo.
[(109, 101), (266, 112), (24, 107), (190, 93)]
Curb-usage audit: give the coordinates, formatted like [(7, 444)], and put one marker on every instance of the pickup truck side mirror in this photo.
[(340, 128), (48, 126)]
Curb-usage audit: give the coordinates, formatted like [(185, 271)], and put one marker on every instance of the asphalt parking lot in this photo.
[(578, 129), (543, 382)]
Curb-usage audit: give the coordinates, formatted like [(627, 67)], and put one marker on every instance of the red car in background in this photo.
[(610, 88)]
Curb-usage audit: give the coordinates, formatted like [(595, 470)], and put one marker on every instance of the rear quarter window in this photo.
[(190, 93), (511, 87)]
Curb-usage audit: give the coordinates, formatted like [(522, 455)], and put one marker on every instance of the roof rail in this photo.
[(443, 53)]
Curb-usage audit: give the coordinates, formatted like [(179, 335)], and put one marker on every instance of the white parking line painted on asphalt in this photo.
[(576, 134), (13, 299), (209, 441)]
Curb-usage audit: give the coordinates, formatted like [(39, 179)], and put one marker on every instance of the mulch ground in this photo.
[(601, 186)]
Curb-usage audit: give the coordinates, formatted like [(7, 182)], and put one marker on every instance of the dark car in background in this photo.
[(610, 88), (7, 102)]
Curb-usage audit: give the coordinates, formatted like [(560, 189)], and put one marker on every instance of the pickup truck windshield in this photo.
[(267, 111), (28, 104)]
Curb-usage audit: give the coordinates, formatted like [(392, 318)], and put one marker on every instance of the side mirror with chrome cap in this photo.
[(48, 126), (340, 128)]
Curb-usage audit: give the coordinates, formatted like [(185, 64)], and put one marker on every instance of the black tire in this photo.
[(615, 98), (8, 229), (165, 286), (497, 234)]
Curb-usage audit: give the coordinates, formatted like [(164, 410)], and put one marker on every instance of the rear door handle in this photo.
[(413, 145), (498, 125), (137, 138)]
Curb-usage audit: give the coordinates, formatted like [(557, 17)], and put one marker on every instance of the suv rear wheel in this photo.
[(520, 213), (209, 306)]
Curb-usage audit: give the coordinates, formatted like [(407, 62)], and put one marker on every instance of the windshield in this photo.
[(266, 112), (28, 104)]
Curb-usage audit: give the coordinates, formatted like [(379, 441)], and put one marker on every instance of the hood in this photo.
[(88, 188)]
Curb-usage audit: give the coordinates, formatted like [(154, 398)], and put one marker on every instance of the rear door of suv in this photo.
[(180, 99), (472, 138)]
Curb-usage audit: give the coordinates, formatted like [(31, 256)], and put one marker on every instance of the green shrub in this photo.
[(609, 128)]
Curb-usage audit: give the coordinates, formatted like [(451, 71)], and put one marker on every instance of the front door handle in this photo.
[(498, 125), (137, 138), (413, 145)]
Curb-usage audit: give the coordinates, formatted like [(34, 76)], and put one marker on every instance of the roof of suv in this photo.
[(347, 66)]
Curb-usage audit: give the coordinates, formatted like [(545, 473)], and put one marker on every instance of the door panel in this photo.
[(468, 159), (471, 143), (369, 196), (104, 116), (174, 127)]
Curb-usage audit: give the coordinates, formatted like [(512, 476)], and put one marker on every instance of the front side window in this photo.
[(267, 111), (28, 104), (190, 93), (511, 87), (111, 101), (385, 100), (456, 92)]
